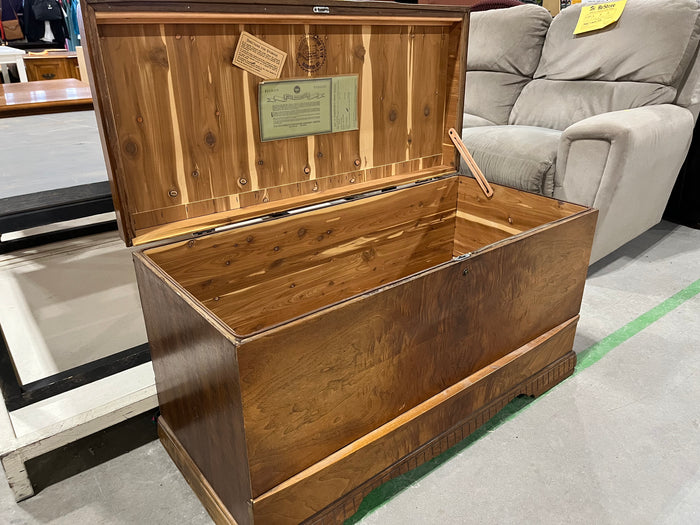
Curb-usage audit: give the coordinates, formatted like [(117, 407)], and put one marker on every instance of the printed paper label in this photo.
[(258, 57), (302, 107)]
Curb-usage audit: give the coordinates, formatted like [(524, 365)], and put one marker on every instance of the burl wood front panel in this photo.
[(323, 382)]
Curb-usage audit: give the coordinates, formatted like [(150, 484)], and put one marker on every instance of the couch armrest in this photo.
[(624, 163)]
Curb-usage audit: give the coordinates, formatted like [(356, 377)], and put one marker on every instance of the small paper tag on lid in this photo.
[(600, 15), (258, 57)]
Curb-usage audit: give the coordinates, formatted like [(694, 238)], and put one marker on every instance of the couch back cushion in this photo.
[(640, 60), (504, 49)]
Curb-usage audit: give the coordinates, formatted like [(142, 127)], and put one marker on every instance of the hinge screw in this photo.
[(465, 271)]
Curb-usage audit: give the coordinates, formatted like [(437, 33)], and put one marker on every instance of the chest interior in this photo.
[(265, 274)]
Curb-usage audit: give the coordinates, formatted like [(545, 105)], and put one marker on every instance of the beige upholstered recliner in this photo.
[(603, 119)]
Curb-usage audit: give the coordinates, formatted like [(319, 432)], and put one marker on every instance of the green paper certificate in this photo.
[(302, 107)]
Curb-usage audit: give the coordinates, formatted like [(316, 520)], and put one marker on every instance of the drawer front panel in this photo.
[(51, 68)]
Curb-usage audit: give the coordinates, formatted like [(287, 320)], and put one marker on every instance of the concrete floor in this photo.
[(48, 152), (617, 443)]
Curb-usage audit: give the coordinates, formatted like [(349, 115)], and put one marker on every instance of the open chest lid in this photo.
[(376, 87)]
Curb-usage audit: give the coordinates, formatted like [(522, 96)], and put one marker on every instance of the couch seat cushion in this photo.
[(522, 157)]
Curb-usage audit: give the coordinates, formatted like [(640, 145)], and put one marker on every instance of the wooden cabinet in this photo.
[(52, 66), (378, 307)]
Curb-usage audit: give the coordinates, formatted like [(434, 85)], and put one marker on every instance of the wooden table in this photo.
[(10, 55), (45, 96)]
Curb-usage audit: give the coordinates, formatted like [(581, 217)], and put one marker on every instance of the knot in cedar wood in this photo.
[(131, 148), (210, 139), (360, 52), (393, 115), (368, 255), (159, 56)]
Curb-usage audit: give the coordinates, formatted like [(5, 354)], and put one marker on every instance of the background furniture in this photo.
[(46, 96), (603, 119), (52, 65), (10, 55)]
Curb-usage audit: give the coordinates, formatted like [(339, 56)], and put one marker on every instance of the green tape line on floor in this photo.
[(594, 353), (381, 495)]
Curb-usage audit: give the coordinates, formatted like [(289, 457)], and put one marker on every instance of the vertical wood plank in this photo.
[(455, 71), (388, 52), (143, 117), (104, 111), (427, 108)]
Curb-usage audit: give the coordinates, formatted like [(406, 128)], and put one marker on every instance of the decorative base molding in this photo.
[(538, 384)]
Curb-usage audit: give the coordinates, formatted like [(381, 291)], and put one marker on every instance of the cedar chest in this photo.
[(328, 310)]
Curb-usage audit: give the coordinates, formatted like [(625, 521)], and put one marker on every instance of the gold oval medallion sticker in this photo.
[(311, 53)]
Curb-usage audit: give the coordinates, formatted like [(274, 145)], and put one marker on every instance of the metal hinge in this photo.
[(321, 10), (462, 257)]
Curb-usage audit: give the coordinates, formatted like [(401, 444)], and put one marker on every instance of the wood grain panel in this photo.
[(206, 107), (427, 98), (318, 486), (346, 54), (482, 221), (347, 270), (126, 17), (455, 75), (198, 386), (277, 162), (188, 130), (261, 208), (388, 53), (264, 274), (106, 126), (139, 76), (412, 341), (386, 12)]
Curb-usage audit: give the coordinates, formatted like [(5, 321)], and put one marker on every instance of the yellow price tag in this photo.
[(598, 16)]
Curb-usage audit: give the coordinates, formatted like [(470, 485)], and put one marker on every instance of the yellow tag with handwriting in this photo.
[(598, 16)]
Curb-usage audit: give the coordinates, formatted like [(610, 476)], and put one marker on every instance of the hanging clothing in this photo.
[(10, 7), (73, 36), (34, 29)]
